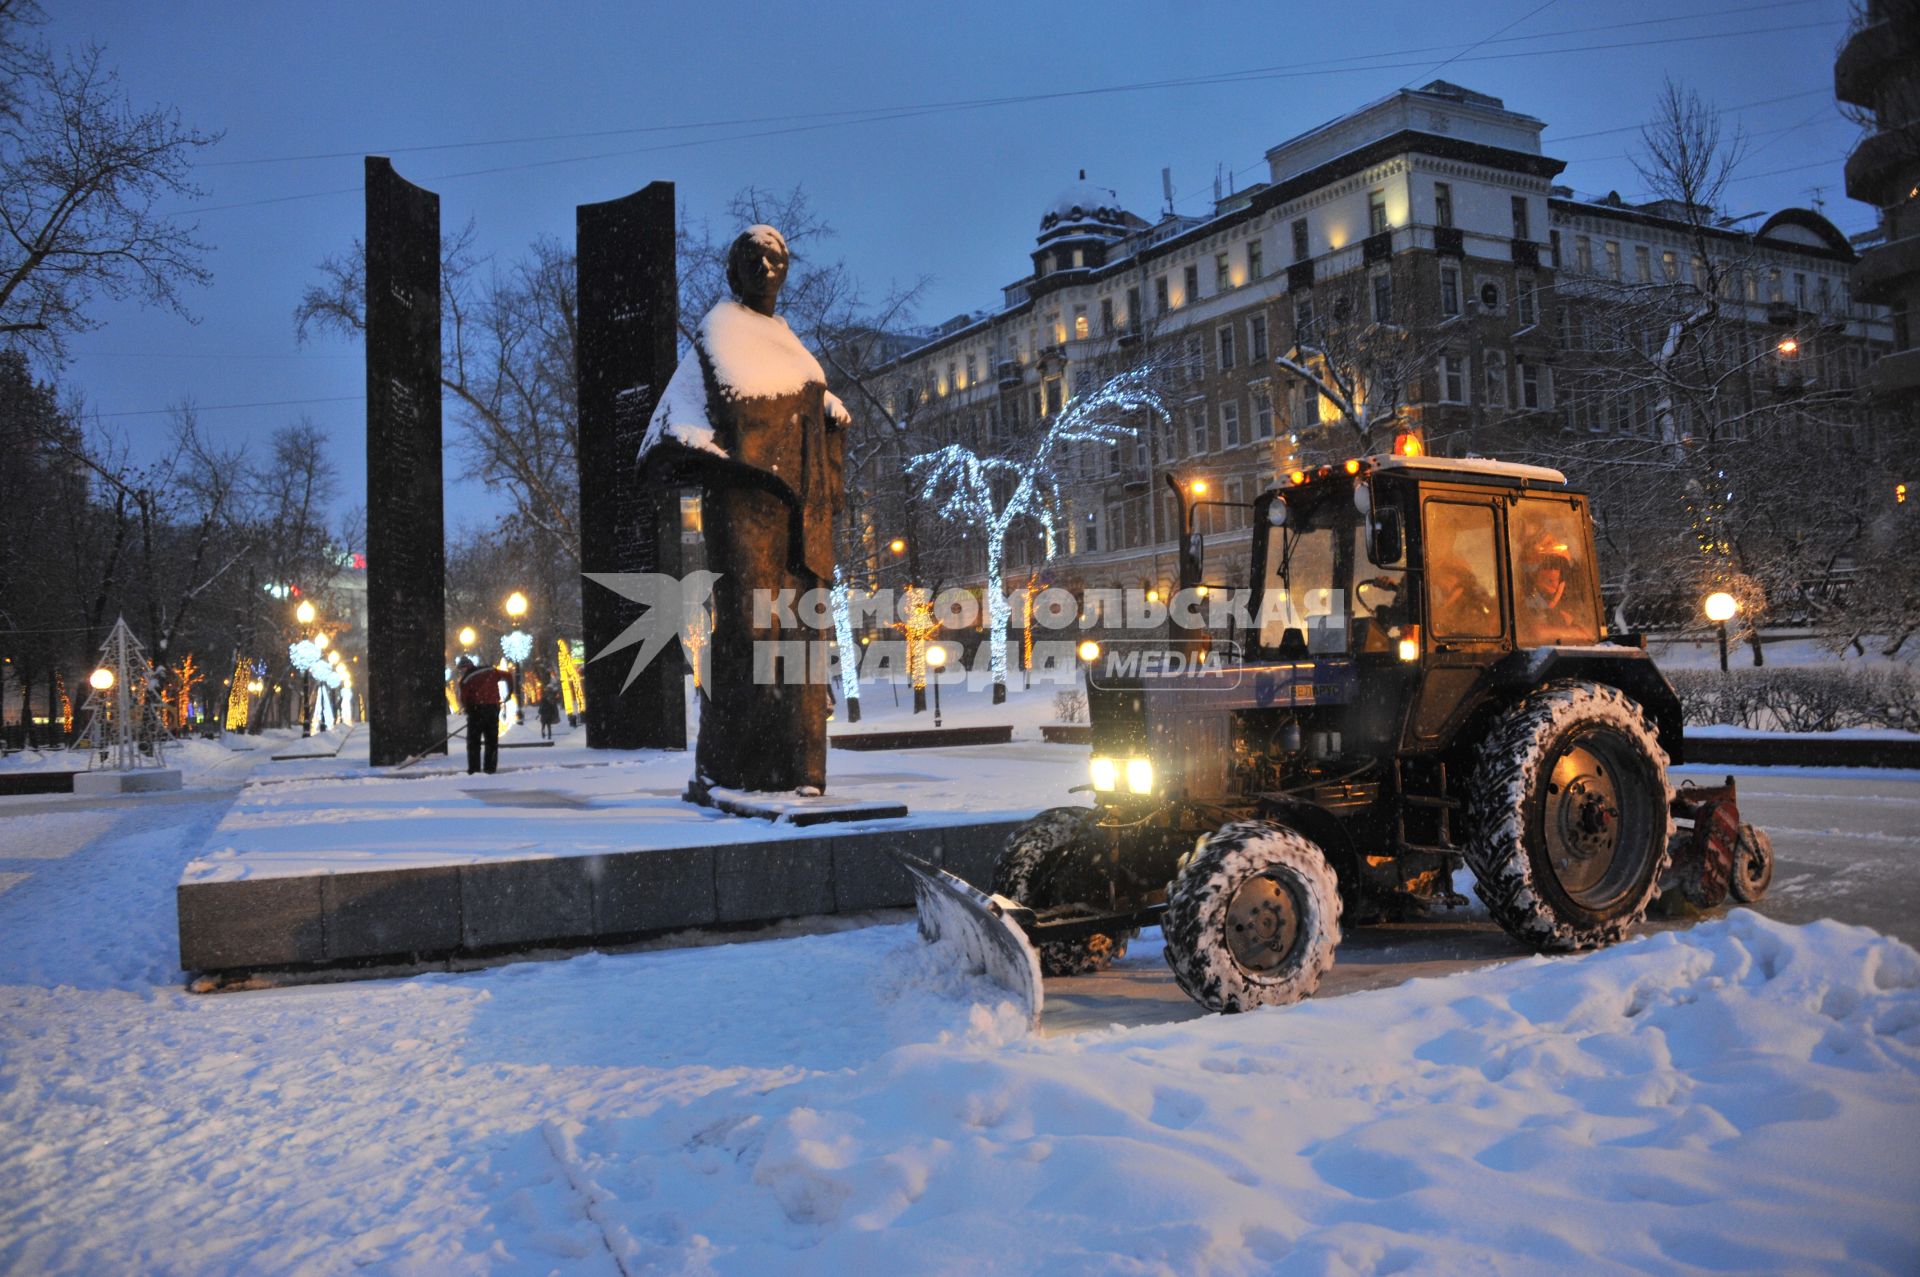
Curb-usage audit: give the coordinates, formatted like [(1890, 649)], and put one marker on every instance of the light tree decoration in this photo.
[(240, 695), (961, 482), (919, 625), (573, 692), (516, 646), (694, 641), (185, 675), (843, 641), (124, 729)]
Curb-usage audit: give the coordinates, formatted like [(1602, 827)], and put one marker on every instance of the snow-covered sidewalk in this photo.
[(1743, 1096)]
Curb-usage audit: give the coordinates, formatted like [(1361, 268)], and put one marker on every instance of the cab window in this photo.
[(1552, 577), (1463, 577)]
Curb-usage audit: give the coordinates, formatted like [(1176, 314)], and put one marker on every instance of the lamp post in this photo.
[(936, 659), (306, 614), (468, 636), (516, 608), (1720, 608)]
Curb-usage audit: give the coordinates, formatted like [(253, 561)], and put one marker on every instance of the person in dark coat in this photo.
[(482, 690), (549, 706)]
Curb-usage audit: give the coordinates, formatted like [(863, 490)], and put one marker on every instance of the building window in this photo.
[(1230, 425), (1520, 221), (1257, 339), (1299, 239), (1643, 263), (1196, 358), (1376, 212), (1080, 330), (1303, 317), (1192, 279), (1449, 290), (1262, 415), (1582, 255), (1453, 379), (1197, 423), (1226, 347), (1255, 267), (1613, 259), (1523, 290), (973, 370), (1090, 542), (1530, 386), (1222, 273), (1773, 285), (1106, 316), (1383, 298), (1160, 295), (1133, 309), (1557, 263), (1079, 258), (1669, 266), (1442, 204), (1496, 380), (1800, 290)]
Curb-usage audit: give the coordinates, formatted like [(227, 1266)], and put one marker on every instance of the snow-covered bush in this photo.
[(1070, 705), (1799, 699)]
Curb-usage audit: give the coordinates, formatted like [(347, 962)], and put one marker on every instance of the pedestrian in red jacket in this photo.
[(481, 692)]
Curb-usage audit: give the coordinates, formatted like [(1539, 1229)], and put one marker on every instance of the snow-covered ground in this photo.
[(1740, 1096)]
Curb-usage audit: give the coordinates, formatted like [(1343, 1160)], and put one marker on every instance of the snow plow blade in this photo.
[(978, 931)]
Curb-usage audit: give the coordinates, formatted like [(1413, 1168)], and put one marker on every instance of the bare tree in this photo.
[(81, 173)]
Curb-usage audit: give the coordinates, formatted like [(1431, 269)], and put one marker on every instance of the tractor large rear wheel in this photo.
[(1055, 865), (1567, 818), (1252, 919)]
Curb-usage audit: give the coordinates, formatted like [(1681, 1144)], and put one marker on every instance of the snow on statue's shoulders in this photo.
[(755, 356), (682, 412)]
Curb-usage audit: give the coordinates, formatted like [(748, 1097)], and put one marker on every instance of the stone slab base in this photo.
[(37, 782), (401, 915), (95, 784), (793, 809), (924, 738)]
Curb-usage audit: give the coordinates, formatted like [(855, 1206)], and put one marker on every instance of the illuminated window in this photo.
[(1300, 239), (1376, 212), (1079, 258), (1080, 330), (1442, 204), (1669, 266), (690, 515)]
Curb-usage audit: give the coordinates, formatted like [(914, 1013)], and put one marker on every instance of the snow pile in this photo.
[(1745, 1095)]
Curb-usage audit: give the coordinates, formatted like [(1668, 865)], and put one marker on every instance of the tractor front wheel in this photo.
[(1567, 819), (1252, 919), (1053, 863), (1752, 864)]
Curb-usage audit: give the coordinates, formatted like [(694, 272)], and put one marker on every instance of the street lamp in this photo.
[(101, 680), (1720, 608), (898, 545), (517, 608), (468, 636), (307, 614), (936, 658)]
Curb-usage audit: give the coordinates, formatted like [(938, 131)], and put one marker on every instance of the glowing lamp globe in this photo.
[(1198, 487), (1089, 651), (936, 655), (333, 657), (101, 679), (467, 636), (898, 545), (516, 604), (305, 613), (1721, 606)]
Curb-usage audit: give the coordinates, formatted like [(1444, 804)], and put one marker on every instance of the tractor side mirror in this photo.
[(1193, 550), (1389, 537)]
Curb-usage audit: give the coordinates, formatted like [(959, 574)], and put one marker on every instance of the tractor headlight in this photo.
[(1106, 774), (1139, 776)]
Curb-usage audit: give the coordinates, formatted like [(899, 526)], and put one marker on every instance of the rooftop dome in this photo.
[(1083, 206)]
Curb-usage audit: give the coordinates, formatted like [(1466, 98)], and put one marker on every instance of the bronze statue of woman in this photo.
[(748, 416)]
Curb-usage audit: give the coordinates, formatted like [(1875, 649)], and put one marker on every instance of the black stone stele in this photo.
[(405, 697), (629, 309)]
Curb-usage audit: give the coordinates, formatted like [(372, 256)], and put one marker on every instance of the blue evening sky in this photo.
[(931, 140)]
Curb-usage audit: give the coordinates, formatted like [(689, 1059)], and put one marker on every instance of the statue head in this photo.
[(757, 267)]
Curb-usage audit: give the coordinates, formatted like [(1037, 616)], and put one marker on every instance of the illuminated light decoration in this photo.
[(453, 694), (1788, 346), (1899, 494), (304, 654), (516, 645), (963, 484), (124, 727), (919, 626), (573, 691), (1026, 622), (694, 642), (1297, 476), (1353, 466), (186, 675), (843, 640), (240, 698), (1407, 444)]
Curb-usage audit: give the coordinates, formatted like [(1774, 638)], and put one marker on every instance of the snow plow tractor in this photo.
[(1426, 682)]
